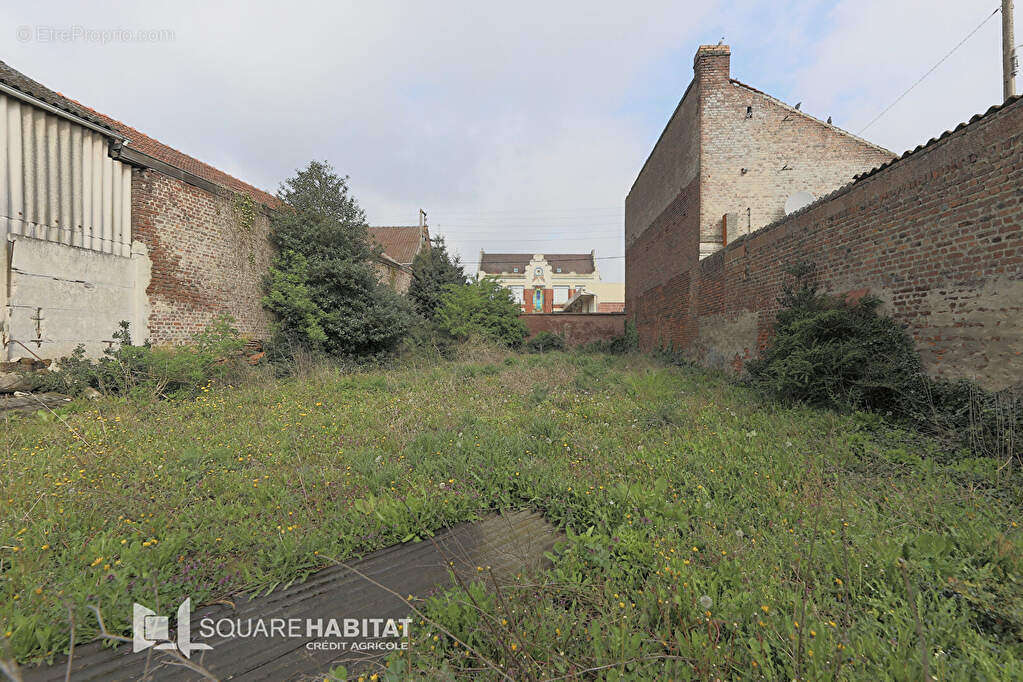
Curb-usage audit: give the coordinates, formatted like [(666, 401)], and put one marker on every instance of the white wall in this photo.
[(62, 296), (69, 272)]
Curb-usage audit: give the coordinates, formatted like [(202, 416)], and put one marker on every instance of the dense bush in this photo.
[(147, 370), (830, 352), (481, 310), (322, 287), (545, 341), (432, 270)]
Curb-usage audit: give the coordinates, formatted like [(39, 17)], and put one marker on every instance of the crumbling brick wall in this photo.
[(937, 235), (209, 253)]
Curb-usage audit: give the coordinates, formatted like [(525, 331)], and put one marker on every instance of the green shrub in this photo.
[(425, 343), (545, 341), (432, 270), (628, 342), (829, 352), (323, 288), (483, 310), (147, 370)]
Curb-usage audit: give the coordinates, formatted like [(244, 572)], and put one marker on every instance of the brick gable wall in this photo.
[(755, 152), (205, 260), (937, 235)]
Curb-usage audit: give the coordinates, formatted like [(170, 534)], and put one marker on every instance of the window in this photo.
[(517, 294), (558, 270), (560, 295), (515, 269)]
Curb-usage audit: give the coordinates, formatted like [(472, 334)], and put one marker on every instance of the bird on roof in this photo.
[(829, 120), (798, 104), (722, 41)]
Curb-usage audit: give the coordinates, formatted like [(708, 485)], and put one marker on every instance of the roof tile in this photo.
[(401, 243)]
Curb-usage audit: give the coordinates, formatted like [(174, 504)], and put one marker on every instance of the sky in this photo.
[(516, 126)]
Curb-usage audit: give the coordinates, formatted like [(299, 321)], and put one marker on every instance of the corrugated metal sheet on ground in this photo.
[(509, 543)]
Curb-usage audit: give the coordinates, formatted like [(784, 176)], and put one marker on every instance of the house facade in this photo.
[(547, 283)]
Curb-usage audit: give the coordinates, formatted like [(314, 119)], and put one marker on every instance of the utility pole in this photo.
[(1008, 52)]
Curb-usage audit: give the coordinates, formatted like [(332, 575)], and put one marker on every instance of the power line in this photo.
[(931, 70), (560, 259), (564, 209), (516, 240)]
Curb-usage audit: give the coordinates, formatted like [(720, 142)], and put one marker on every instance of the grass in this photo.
[(711, 533)]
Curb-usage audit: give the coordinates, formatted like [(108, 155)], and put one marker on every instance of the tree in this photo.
[(322, 287), (482, 309), (432, 270)]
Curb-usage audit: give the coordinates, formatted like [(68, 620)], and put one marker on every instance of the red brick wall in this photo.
[(577, 328), (206, 261), (937, 235)]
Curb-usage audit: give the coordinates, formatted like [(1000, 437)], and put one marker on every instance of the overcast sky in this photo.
[(517, 126)]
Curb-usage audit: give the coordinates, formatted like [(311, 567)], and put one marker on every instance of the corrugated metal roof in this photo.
[(58, 182), (12, 77), (401, 243), (136, 139)]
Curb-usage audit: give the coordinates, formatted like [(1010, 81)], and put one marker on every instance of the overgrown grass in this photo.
[(712, 534)]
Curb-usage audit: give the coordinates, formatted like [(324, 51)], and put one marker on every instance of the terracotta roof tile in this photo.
[(158, 150), (22, 83), (400, 243)]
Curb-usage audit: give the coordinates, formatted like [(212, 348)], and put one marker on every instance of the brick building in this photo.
[(936, 234), (101, 223), (401, 245), (546, 283)]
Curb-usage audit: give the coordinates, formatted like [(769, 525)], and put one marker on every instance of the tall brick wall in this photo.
[(937, 235), (756, 151), (576, 328), (207, 258)]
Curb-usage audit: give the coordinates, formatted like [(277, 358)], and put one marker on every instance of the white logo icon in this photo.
[(151, 630)]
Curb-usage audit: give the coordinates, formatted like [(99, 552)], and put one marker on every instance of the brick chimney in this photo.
[(712, 63)]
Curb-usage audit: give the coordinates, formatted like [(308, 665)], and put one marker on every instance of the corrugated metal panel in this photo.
[(58, 183)]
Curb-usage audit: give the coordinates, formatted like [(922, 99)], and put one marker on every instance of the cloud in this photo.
[(515, 125), (874, 50)]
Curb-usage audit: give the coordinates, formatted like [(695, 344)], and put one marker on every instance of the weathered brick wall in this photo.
[(576, 328), (756, 151), (672, 166), (937, 235), (394, 276), (207, 257)]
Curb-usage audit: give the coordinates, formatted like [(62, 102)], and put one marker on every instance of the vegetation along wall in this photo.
[(209, 253), (937, 235)]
